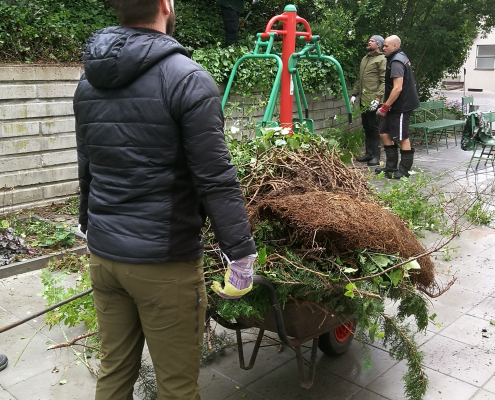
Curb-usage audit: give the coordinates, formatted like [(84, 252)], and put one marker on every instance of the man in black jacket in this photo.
[(230, 10), (401, 98), (153, 164)]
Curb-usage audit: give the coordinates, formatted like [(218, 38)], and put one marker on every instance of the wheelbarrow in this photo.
[(295, 325)]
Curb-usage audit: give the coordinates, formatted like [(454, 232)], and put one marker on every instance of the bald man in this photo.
[(401, 98)]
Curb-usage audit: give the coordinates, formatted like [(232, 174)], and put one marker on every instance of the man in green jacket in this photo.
[(369, 89), (230, 14)]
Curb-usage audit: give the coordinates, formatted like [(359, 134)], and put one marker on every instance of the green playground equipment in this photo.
[(288, 80)]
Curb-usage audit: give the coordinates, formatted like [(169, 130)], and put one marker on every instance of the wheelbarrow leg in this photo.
[(255, 350), (307, 381)]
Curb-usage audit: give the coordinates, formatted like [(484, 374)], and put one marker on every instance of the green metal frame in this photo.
[(304, 54), (267, 117), (487, 150), (438, 127), (467, 101)]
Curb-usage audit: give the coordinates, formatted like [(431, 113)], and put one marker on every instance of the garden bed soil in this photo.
[(37, 263), (54, 214)]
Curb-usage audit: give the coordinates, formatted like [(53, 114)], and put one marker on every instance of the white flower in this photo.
[(234, 129)]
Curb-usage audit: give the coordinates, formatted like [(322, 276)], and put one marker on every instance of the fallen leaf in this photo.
[(54, 370), (63, 382)]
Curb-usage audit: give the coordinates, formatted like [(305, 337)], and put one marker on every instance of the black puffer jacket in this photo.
[(151, 152)]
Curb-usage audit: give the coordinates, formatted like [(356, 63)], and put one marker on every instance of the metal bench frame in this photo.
[(437, 125), (467, 105), (487, 151)]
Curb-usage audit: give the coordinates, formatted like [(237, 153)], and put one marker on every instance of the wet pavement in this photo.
[(459, 354), (485, 100)]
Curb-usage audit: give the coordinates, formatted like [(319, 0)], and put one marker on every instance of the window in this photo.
[(485, 59)]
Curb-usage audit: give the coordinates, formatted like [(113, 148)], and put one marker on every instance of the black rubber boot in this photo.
[(3, 362), (392, 158), (405, 165), (375, 152), (369, 151)]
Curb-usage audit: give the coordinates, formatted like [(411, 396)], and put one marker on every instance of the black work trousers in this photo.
[(231, 23), (370, 125)]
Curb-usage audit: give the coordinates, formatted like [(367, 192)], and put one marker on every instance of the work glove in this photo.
[(353, 100), (82, 230), (255, 3), (382, 111), (238, 278), (374, 105)]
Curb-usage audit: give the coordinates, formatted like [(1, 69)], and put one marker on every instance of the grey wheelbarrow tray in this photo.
[(295, 325)]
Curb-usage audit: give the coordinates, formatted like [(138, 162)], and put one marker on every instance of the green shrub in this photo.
[(49, 30), (56, 31), (417, 201), (480, 214)]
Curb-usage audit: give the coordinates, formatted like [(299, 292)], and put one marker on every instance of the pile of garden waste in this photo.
[(325, 239)]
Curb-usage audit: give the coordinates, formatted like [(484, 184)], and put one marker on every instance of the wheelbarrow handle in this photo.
[(277, 310)]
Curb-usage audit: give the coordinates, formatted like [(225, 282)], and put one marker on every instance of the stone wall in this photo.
[(325, 111), (38, 162)]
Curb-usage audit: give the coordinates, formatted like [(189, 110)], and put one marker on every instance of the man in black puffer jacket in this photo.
[(153, 164)]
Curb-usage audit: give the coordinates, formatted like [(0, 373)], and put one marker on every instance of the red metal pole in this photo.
[(288, 48)]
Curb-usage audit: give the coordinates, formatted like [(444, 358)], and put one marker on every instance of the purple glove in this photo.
[(238, 278)]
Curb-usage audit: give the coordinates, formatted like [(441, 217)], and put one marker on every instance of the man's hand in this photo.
[(383, 110), (374, 105), (352, 100), (238, 278)]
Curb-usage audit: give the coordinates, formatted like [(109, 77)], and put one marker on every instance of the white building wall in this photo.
[(479, 79)]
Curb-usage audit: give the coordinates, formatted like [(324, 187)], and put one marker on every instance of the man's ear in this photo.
[(165, 6)]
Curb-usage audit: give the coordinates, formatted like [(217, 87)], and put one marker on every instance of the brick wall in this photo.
[(38, 163)]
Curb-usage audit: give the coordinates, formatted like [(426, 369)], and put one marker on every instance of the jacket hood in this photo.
[(115, 56), (374, 54)]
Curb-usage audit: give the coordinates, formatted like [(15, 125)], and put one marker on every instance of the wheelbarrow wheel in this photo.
[(337, 341)]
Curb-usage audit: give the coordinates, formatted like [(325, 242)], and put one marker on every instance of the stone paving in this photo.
[(485, 100), (459, 355)]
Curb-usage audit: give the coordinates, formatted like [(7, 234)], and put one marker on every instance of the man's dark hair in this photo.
[(130, 12)]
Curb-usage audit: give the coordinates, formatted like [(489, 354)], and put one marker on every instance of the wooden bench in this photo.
[(487, 147), (429, 119)]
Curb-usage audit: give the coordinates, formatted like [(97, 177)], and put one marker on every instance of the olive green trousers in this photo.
[(164, 304)]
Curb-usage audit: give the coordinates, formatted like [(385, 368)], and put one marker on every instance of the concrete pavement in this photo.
[(459, 356), (485, 100)]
